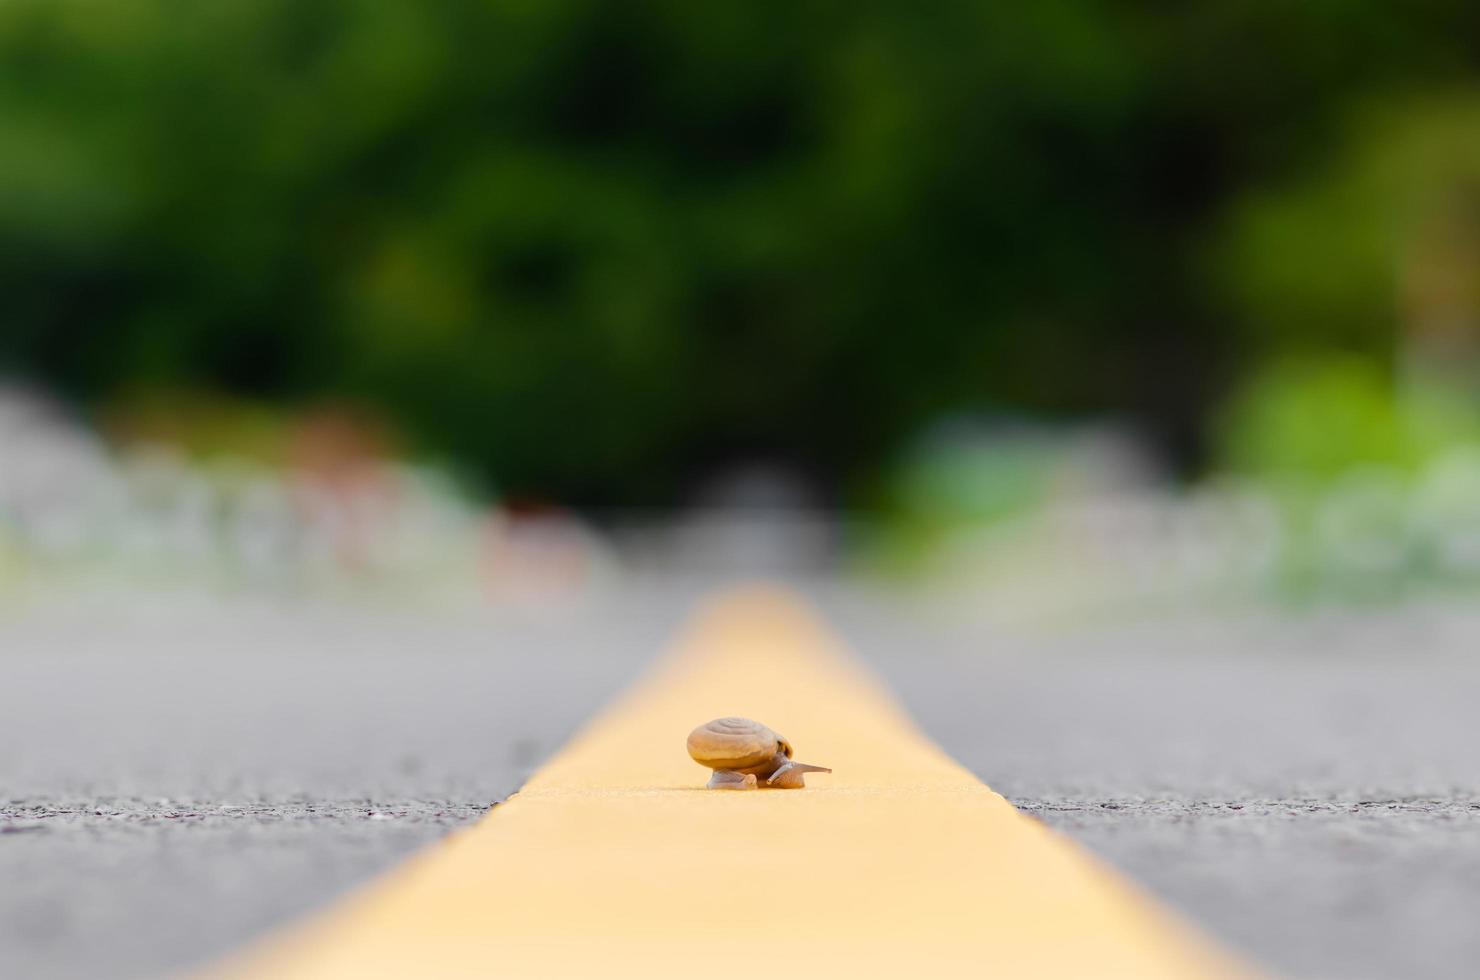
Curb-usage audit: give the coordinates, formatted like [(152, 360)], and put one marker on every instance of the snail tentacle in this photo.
[(790, 775)]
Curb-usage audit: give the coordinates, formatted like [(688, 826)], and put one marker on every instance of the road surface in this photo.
[(174, 781)]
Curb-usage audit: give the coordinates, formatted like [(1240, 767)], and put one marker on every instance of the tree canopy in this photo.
[(590, 248)]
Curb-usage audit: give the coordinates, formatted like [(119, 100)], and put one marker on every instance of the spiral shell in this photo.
[(738, 745)]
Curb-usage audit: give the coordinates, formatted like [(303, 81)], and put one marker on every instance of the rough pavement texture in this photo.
[(174, 782), (1307, 789)]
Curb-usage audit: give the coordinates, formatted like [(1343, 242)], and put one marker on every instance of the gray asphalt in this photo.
[(174, 781), (1305, 788)]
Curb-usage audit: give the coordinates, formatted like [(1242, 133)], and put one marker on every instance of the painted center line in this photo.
[(614, 861)]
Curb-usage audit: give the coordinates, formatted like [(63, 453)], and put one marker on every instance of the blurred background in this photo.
[(382, 381), (1137, 301)]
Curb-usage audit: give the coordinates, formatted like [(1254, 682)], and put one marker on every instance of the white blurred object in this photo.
[(1361, 525), (1446, 511), (147, 517)]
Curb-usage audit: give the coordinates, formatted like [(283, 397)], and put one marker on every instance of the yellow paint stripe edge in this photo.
[(614, 861)]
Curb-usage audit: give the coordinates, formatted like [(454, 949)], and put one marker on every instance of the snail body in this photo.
[(745, 754)]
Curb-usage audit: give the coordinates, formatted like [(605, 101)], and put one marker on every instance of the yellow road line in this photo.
[(614, 861)]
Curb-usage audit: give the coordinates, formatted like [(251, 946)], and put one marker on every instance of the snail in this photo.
[(742, 752)]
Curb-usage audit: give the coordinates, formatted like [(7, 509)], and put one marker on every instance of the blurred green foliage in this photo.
[(1376, 482), (592, 248), (1314, 420), (1383, 230)]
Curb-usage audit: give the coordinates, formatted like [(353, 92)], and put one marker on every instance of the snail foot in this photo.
[(726, 779)]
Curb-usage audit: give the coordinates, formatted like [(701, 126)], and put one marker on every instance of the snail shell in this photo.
[(737, 745), (743, 753)]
